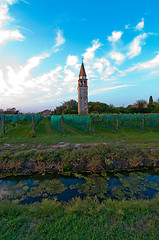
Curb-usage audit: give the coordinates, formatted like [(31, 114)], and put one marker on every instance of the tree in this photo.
[(111, 108), (71, 104), (150, 101), (68, 107), (140, 103), (97, 107)]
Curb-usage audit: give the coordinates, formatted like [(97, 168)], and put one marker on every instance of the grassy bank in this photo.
[(80, 219), (46, 135), (88, 158)]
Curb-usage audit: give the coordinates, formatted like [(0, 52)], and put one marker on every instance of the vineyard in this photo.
[(9, 122), (39, 129), (107, 121), (83, 122)]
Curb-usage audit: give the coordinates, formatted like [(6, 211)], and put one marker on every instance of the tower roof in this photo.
[(82, 71)]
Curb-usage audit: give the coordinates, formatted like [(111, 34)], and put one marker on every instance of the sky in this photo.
[(42, 44)]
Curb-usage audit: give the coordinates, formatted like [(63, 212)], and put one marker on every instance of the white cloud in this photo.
[(10, 35), (112, 79), (4, 17), (69, 80), (119, 57), (72, 60), (100, 64), (5, 34), (10, 2), (155, 72), (135, 47), (32, 63), (89, 71), (140, 25), (146, 65), (60, 38), (18, 78), (19, 87), (116, 35), (108, 72), (89, 54), (107, 89)]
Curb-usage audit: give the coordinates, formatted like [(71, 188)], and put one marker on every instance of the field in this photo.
[(25, 150), (45, 134)]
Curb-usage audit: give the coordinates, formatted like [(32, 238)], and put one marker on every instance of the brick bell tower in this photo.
[(82, 91)]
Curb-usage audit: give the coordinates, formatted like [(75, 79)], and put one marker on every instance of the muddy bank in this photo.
[(76, 157)]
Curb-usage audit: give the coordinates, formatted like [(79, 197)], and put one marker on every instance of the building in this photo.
[(82, 91), (137, 106), (46, 112)]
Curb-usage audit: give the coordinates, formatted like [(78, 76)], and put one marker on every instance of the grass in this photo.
[(80, 219), (46, 135), (89, 158)]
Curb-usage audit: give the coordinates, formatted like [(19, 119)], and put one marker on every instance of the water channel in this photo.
[(119, 185)]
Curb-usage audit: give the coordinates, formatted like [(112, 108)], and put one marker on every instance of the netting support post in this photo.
[(129, 121), (143, 122), (90, 127), (62, 127), (3, 124), (33, 124), (117, 123)]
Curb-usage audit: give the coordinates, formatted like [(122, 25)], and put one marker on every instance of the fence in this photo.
[(106, 121), (8, 122)]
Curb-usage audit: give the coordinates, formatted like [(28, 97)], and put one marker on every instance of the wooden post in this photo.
[(117, 123), (3, 124), (90, 129), (33, 124), (129, 120), (143, 122), (62, 128)]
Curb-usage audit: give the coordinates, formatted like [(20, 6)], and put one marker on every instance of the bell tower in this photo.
[(82, 91)]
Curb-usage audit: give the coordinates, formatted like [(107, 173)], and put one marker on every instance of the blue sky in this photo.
[(42, 44)]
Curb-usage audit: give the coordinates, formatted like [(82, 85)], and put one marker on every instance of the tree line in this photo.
[(140, 106)]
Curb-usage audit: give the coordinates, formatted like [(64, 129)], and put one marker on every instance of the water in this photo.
[(125, 185)]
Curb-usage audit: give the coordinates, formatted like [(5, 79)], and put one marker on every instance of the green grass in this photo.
[(80, 219), (46, 134)]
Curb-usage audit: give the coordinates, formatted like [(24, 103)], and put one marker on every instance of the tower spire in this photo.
[(82, 71)]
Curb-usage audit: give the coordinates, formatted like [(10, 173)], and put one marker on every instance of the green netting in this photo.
[(104, 121), (108, 121), (56, 122), (154, 120), (37, 118), (13, 118), (138, 121), (81, 122), (16, 118), (132, 121), (10, 120)]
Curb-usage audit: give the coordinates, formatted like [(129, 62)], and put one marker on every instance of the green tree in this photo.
[(97, 107), (68, 107), (141, 104), (71, 104)]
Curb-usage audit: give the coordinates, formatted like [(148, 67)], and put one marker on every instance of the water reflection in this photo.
[(133, 185)]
